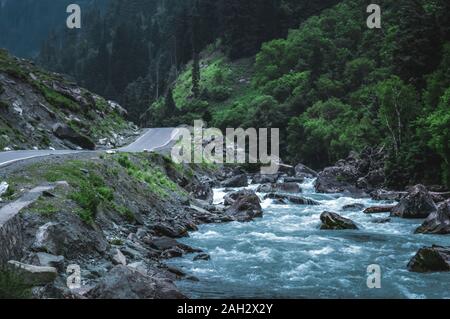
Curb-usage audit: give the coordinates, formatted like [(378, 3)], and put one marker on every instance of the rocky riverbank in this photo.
[(118, 217)]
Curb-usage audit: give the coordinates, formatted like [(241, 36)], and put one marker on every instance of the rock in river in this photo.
[(333, 221), (280, 187), (245, 208), (431, 259), (284, 199), (417, 204), (236, 181), (438, 222)]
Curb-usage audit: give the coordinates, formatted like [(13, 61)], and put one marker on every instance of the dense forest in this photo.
[(312, 68), (159, 36), (27, 23)]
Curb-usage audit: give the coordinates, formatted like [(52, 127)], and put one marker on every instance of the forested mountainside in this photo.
[(335, 86), (159, 36), (26, 23), (332, 84)]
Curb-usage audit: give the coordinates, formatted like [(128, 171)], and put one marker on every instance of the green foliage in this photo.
[(90, 188), (57, 100), (158, 182), (438, 126), (44, 208), (12, 285), (126, 213), (398, 108)]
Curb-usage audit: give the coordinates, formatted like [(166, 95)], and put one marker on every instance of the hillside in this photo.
[(333, 86), (43, 110)]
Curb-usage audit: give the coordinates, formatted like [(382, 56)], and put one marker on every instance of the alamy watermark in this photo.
[(374, 19), (210, 145), (374, 277), (74, 19)]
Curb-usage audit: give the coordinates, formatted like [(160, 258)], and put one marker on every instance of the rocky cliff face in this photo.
[(44, 110)]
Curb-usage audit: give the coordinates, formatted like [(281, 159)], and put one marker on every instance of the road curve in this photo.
[(151, 140)]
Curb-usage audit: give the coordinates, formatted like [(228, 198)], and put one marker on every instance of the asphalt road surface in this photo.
[(151, 140)]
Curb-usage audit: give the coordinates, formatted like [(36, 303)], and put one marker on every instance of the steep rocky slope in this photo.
[(45, 110), (116, 217)]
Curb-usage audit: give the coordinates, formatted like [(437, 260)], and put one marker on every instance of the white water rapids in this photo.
[(285, 255)]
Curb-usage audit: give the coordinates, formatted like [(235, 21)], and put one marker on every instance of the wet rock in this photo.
[(34, 275), (381, 220), (379, 209), (162, 229), (236, 181), (333, 221), (304, 171), (172, 253), (279, 187), (230, 198), (294, 180), (285, 169), (339, 179), (285, 199), (265, 179), (245, 208), (203, 192), (381, 194), (353, 207), (438, 222), (430, 259), (417, 204), (204, 257), (125, 283), (166, 243), (65, 132)]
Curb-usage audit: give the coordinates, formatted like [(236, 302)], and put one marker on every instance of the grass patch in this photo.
[(157, 181), (12, 285), (44, 208), (116, 242), (126, 213), (56, 99), (91, 189)]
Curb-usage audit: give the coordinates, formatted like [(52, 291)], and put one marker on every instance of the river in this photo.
[(285, 255)]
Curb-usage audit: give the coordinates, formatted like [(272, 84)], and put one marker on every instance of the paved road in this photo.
[(150, 140)]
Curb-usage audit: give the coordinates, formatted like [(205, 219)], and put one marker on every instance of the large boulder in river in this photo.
[(280, 187), (285, 199), (123, 282), (431, 259), (417, 204), (338, 179), (236, 181), (333, 221), (230, 198), (304, 171), (246, 207), (265, 179), (438, 222), (65, 132)]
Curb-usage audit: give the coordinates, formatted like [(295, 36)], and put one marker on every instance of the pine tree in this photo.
[(195, 53)]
